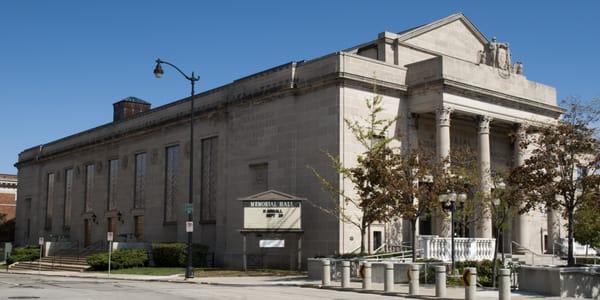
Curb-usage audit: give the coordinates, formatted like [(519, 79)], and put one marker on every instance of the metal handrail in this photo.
[(533, 253)]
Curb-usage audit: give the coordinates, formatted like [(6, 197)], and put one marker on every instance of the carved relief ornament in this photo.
[(484, 124), (442, 114)]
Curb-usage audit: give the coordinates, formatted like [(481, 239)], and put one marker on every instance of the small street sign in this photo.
[(189, 226), (109, 236), (41, 241), (189, 208)]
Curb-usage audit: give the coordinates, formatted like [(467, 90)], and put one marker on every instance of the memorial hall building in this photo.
[(449, 84)]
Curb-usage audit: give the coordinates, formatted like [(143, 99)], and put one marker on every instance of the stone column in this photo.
[(413, 141), (440, 281), (388, 282), (326, 280), (442, 122), (413, 279), (504, 284), (484, 228), (520, 221), (366, 273), (471, 283)]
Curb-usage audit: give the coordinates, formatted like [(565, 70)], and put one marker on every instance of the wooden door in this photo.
[(87, 233), (139, 228)]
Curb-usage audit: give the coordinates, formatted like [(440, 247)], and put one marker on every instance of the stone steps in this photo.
[(34, 266)]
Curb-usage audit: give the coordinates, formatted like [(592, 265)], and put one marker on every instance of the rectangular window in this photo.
[(208, 177), (172, 161), (68, 198), (89, 187), (259, 182), (113, 171), (139, 192), (49, 199), (138, 227)]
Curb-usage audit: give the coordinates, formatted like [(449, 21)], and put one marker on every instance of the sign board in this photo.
[(41, 241), (189, 226), (189, 208), (272, 210), (109, 236), (271, 243)]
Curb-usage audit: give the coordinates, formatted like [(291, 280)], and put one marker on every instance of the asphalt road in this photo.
[(23, 286)]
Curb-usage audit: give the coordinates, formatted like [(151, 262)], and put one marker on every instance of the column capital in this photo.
[(484, 124), (442, 114)]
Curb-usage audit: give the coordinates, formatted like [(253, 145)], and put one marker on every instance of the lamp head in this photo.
[(158, 71), (462, 197), (496, 202)]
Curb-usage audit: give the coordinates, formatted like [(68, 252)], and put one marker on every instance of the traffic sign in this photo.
[(109, 236), (189, 226), (41, 241), (189, 208)]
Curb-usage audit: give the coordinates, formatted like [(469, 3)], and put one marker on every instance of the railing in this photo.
[(533, 253), (435, 247)]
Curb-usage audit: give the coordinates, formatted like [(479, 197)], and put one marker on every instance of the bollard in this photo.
[(413, 277), (504, 284), (440, 281), (326, 272), (388, 281), (345, 274), (366, 275), (470, 278)]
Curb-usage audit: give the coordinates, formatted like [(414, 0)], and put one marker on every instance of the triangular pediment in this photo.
[(271, 195), (454, 36)]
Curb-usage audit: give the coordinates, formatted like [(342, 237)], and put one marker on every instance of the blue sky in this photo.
[(65, 62)]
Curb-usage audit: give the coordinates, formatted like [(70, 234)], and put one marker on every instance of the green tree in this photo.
[(563, 169), (587, 224), (367, 196)]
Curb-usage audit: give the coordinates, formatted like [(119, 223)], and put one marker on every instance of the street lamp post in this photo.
[(448, 202), (158, 72)]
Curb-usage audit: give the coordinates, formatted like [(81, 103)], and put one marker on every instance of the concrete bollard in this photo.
[(366, 275), (440, 281), (470, 278), (345, 274), (388, 283), (413, 277), (504, 284), (326, 272)]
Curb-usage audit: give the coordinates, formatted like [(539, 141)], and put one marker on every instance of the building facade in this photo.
[(8, 207), (449, 85)]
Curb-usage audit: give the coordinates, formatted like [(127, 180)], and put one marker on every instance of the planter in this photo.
[(561, 281)]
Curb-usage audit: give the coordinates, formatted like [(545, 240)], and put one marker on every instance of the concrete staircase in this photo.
[(53, 263)]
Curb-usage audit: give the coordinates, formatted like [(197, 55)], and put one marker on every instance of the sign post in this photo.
[(109, 238), (41, 243)]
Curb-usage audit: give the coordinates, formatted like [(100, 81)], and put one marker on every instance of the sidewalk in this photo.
[(426, 291)]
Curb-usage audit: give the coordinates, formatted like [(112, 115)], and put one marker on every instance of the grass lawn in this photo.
[(201, 272)]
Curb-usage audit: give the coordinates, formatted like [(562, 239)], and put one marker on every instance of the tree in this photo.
[(368, 196), (562, 171), (587, 224)]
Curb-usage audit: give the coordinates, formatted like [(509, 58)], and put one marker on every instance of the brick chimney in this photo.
[(128, 108)]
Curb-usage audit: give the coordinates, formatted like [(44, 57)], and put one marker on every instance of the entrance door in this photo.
[(377, 240), (87, 233)]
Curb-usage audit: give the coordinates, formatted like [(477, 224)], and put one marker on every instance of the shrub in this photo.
[(29, 253), (484, 270), (120, 259), (175, 255)]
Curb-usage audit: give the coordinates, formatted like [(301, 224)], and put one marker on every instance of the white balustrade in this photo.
[(435, 247)]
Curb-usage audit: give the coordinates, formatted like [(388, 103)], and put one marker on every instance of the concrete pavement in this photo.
[(300, 285)]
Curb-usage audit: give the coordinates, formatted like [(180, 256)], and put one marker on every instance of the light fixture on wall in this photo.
[(94, 219), (120, 217)]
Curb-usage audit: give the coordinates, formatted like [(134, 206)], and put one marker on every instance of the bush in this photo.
[(120, 259), (484, 270), (29, 253), (175, 255)]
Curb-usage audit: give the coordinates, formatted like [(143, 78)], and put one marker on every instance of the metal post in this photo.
[(245, 257), (299, 252), (345, 274), (470, 277), (40, 260), (388, 283), (366, 270), (326, 280), (504, 284), (440, 281), (452, 235), (189, 271), (413, 285), (109, 256)]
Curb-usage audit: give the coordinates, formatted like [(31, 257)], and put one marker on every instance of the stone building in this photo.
[(8, 206), (449, 84)]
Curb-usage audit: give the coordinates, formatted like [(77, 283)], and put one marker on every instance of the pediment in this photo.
[(271, 195), (453, 36)]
